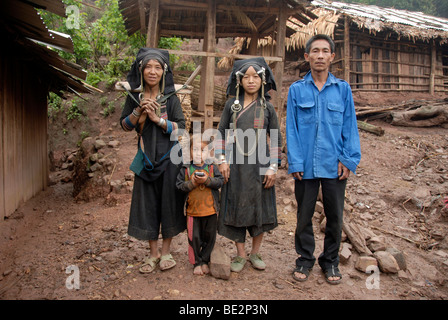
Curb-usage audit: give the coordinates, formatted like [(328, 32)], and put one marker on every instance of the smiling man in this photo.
[(323, 147)]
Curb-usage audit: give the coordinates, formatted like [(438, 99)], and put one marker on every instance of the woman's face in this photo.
[(152, 73), (251, 81)]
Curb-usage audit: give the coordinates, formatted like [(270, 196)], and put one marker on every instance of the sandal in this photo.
[(151, 262), (333, 272), (167, 258), (303, 270)]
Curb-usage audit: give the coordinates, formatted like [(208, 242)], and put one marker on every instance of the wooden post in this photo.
[(208, 67), (141, 11), (152, 35), (347, 49), (433, 67), (280, 52), (253, 47)]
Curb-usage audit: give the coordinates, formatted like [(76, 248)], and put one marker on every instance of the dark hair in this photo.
[(319, 37)]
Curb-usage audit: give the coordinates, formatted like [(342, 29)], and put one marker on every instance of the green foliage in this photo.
[(54, 105), (101, 43), (74, 110)]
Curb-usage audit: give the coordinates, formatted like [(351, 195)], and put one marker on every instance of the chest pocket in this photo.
[(335, 113), (306, 112)]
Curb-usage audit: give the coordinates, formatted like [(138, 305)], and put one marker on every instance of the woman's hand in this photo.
[(149, 108), (224, 168), (269, 179)]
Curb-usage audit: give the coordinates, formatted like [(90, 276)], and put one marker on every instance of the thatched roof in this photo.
[(406, 24), (298, 35)]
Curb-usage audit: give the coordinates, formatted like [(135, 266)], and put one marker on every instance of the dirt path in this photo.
[(52, 239)]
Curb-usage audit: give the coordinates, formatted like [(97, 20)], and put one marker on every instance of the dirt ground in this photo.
[(52, 239)]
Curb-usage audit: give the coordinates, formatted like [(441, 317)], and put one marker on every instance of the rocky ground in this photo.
[(76, 229)]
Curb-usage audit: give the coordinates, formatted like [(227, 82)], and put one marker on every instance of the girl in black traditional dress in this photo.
[(248, 200), (157, 205)]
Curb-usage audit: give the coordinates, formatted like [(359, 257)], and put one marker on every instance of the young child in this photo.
[(202, 182)]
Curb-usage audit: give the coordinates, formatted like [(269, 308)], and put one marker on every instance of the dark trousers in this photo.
[(201, 238), (333, 194)]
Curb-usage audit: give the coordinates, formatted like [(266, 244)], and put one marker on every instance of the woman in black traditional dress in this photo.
[(248, 200), (157, 205)]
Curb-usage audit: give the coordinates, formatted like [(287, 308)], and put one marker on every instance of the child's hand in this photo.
[(197, 179)]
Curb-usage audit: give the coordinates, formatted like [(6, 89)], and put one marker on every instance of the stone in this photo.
[(386, 262), (399, 257), (365, 261), (95, 167), (219, 263), (345, 253), (319, 207), (99, 144), (376, 244), (88, 146), (113, 144)]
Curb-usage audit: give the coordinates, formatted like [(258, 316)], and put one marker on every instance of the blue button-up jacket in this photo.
[(321, 128)]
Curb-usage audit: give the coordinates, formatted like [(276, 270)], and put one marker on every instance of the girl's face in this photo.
[(251, 81), (152, 73)]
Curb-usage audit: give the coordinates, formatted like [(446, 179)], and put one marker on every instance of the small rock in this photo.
[(386, 262), (113, 144), (399, 257), (173, 292), (345, 253), (95, 167), (376, 244), (219, 263), (99, 144), (365, 261)]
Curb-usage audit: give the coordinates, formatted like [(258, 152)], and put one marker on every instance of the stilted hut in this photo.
[(387, 50), (210, 20), (29, 70)]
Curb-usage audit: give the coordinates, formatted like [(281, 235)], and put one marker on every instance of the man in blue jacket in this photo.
[(323, 147)]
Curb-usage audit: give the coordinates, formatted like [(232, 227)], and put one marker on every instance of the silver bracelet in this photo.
[(273, 167), (222, 159), (135, 113), (161, 122)]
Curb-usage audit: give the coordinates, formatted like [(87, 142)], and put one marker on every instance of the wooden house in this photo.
[(29, 70), (377, 49), (385, 49), (210, 20)]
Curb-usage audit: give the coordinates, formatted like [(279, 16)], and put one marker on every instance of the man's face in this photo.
[(320, 56)]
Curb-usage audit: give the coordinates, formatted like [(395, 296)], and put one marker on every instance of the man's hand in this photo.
[(343, 171), (297, 175)]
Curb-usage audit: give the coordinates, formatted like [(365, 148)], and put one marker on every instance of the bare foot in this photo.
[(198, 271), (205, 269), (300, 275)]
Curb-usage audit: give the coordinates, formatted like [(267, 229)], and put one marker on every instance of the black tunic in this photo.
[(245, 203), (157, 204)]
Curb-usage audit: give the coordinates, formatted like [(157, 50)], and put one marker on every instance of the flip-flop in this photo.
[(332, 272), (152, 262), (169, 258), (303, 270)]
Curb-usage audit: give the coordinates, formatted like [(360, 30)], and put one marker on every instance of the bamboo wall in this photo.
[(381, 64), (23, 132)]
